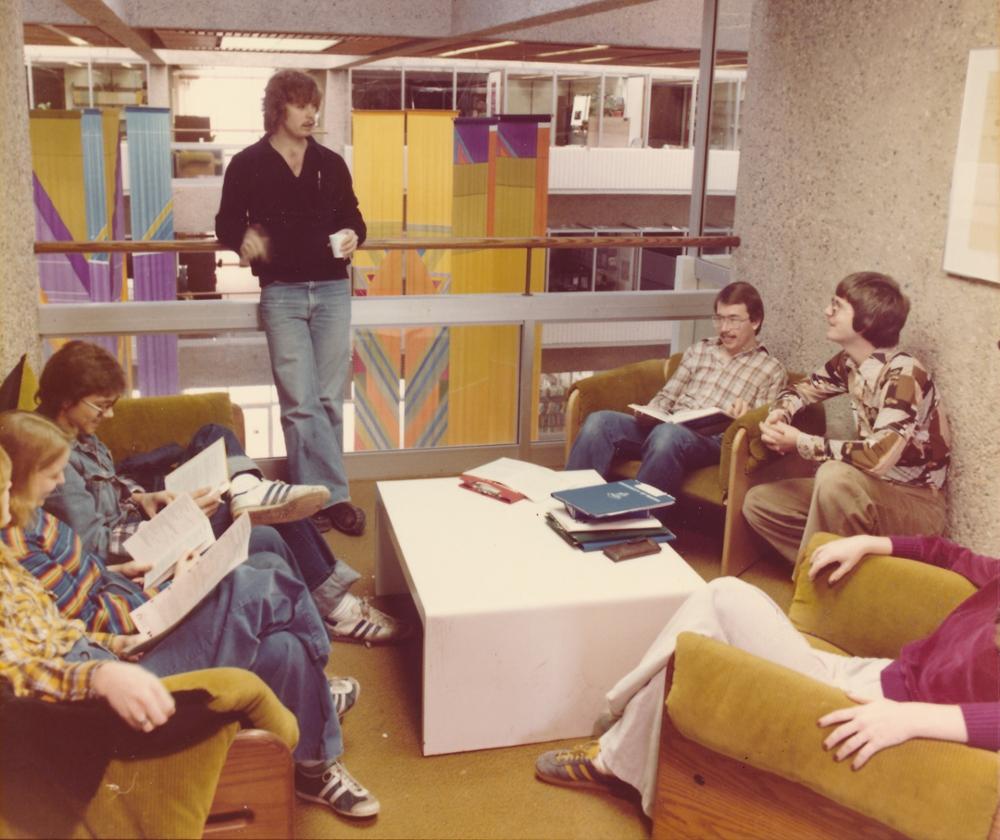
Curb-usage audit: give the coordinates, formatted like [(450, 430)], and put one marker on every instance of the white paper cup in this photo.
[(337, 241)]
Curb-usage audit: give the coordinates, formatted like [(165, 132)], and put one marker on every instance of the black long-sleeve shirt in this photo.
[(297, 214)]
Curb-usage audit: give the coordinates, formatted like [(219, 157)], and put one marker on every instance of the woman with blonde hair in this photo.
[(263, 620)]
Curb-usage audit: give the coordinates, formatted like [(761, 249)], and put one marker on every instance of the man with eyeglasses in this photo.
[(888, 479), (732, 371)]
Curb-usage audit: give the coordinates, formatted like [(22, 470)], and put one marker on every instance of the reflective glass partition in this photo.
[(377, 90), (577, 110), (671, 113), (428, 90), (622, 117), (529, 93), (470, 94)]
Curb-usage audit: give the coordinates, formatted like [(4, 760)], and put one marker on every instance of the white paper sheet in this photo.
[(206, 469), (178, 528), (159, 615)]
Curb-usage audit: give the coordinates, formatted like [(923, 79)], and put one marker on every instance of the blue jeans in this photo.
[(667, 451), (308, 327), (298, 544), (266, 622)]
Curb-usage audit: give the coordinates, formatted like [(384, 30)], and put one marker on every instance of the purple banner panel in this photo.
[(155, 278)]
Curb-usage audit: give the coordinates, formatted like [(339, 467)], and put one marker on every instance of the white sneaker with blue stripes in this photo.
[(355, 620), (271, 502)]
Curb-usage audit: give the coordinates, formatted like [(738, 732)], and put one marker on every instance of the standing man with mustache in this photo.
[(283, 198), (732, 371)]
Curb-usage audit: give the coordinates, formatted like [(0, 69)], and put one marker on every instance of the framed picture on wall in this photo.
[(972, 247)]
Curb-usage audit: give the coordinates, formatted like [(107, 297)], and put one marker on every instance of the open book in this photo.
[(178, 528), (708, 421), (161, 614), (206, 469)]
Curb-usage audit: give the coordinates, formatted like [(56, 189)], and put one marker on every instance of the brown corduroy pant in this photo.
[(842, 500)]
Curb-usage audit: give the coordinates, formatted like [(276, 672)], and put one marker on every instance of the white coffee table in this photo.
[(523, 634)]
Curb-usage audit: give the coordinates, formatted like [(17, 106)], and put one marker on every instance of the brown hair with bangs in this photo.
[(880, 307), (32, 443), (74, 371), (287, 87)]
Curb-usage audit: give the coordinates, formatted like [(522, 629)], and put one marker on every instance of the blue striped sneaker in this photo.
[(574, 767), (344, 693), (272, 502), (355, 620), (338, 789)]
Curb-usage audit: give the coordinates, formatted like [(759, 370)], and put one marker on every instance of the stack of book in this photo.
[(604, 515)]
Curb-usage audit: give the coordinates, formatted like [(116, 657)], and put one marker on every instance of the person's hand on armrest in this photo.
[(136, 695), (778, 434), (738, 408), (876, 724), (844, 554)]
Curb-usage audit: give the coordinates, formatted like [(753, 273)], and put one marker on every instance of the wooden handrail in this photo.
[(211, 245)]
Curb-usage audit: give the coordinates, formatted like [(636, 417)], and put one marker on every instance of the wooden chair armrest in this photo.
[(255, 796), (739, 545)]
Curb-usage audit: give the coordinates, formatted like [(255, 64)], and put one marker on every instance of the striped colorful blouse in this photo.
[(77, 581)]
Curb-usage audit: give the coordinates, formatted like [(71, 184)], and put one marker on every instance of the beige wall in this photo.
[(850, 125), (18, 274)]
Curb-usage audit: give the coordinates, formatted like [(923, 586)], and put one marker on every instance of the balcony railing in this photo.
[(525, 310)]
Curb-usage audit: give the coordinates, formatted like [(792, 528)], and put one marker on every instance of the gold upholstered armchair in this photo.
[(745, 460), (222, 766), (741, 754)]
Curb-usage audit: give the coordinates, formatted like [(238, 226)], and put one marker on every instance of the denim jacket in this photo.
[(95, 502)]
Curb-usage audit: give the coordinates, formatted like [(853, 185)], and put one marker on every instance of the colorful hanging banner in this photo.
[(148, 133)]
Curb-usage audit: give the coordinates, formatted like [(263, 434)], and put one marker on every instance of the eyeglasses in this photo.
[(102, 410), (728, 320)]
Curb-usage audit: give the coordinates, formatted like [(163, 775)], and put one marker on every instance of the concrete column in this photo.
[(158, 92), (336, 120), (18, 269)]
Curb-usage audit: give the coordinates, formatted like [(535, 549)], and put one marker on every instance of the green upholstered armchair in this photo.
[(741, 754), (745, 460), (143, 424), (229, 775)]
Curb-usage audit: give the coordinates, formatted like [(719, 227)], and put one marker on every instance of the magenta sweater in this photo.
[(959, 662)]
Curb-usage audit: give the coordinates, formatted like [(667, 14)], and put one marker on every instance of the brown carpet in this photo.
[(485, 794)]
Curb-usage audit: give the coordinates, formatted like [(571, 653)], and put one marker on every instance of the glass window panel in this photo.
[(432, 91), (119, 84), (51, 86), (623, 110), (573, 351), (529, 94), (471, 94), (571, 269), (577, 109), (670, 113), (376, 90)]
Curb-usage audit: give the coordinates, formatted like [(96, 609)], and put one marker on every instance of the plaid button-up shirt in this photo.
[(709, 377), (34, 638)]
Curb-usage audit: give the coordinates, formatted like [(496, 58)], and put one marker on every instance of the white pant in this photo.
[(732, 611)]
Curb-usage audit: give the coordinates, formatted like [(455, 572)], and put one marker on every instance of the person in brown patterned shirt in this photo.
[(890, 478)]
